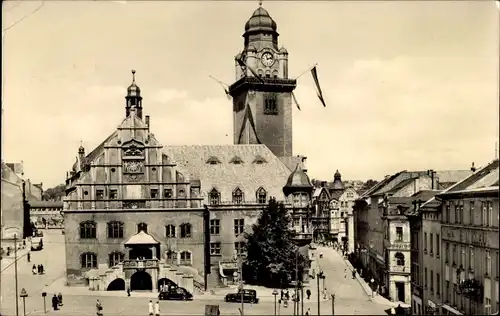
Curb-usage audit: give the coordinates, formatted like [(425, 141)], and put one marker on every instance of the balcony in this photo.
[(263, 84), (140, 264), (397, 245)]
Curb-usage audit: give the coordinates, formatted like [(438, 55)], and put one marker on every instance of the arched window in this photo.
[(400, 259), (115, 258), (88, 230), (170, 231), (88, 260), (214, 197), (261, 196), (142, 227), (185, 230), (237, 196), (185, 258), (115, 230), (171, 257)]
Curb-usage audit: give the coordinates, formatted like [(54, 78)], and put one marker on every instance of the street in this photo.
[(53, 259), (350, 298)]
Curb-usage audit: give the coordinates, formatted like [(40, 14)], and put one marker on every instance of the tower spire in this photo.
[(260, 3), (133, 76)]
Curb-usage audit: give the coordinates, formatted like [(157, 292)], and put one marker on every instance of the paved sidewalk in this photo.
[(8, 261)]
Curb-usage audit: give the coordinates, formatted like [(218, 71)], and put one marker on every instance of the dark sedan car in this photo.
[(248, 296), (177, 294)]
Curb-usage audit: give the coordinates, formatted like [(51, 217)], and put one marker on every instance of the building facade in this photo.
[(321, 218), (346, 225), (46, 214), (133, 219), (469, 243)]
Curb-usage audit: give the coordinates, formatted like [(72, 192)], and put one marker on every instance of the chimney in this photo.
[(147, 121), (432, 173), (387, 176), (472, 168)]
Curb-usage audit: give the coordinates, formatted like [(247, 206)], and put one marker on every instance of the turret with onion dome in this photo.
[(298, 181), (260, 27), (133, 98), (337, 182)]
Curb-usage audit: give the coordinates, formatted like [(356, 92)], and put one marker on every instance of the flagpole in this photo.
[(309, 69), (218, 80)]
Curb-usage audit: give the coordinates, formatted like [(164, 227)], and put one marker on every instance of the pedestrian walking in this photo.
[(34, 270), (98, 307), (308, 311), (345, 273), (282, 294), (28, 256), (42, 270), (157, 308), (128, 291), (308, 293), (353, 273), (59, 297), (150, 308), (38, 269), (55, 302)]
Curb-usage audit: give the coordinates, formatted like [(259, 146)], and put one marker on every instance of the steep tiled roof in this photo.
[(292, 161), (380, 185), (335, 194), (298, 179), (454, 176), (483, 177), (401, 185), (225, 177)]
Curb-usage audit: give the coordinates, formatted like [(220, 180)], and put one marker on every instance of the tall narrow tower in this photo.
[(262, 107), (133, 98)]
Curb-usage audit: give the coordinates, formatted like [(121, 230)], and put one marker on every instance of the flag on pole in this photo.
[(224, 86), (314, 73), (295, 100), (243, 64)]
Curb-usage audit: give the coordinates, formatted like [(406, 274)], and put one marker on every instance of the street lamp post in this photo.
[(24, 295), (319, 276), (15, 273), (333, 304), (275, 292), (371, 283)]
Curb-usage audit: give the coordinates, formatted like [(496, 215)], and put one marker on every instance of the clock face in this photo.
[(133, 166), (267, 59)]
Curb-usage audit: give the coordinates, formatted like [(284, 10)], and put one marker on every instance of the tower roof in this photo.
[(337, 181), (298, 179), (133, 90), (260, 21)]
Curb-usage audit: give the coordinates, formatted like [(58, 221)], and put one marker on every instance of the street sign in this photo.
[(23, 293), (44, 294)]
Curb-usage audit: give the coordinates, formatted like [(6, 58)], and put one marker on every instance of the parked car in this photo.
[(178, 294), (249, 296)]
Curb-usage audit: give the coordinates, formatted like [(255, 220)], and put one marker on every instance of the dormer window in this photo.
[(214, 197), (261, 196), (259, 160), (236, 160), (213, 161), (237, 196)]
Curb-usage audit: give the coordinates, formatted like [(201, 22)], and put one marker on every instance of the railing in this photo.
[(140, 264), (397, 268), (199, 286)]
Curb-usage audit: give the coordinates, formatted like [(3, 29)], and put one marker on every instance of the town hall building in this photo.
[(140, 214)]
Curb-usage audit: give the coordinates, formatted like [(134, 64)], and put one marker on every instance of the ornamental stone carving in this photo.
[(133, 166)]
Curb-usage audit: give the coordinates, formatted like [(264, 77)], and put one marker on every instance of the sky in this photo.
[(409, 85)]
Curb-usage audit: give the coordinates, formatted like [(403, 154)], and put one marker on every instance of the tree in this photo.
[(370, 183), (271, 253), (54, 194)]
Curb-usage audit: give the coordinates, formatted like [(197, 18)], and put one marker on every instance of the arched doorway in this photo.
[(116, 285), (165, 283), (141, 281)]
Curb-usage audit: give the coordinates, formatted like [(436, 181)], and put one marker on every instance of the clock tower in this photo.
[(262, 105)]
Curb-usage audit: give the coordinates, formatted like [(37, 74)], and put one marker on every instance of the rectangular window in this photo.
[(447, 292), (431, 243), (167, 193), (270, 105), (425, 242), (448, 212), (425, 277), (456, 213), (455, 254), (471, 213), (489, 214), (239, 248), (462, 259), (214, 226), (154, 193), (239, 226), (484, 213), (113, 194), (99, 194), (399, 233), (488, 262), (432, 281), (447, 252), (215, 248), (438, 284), (438, 245)]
